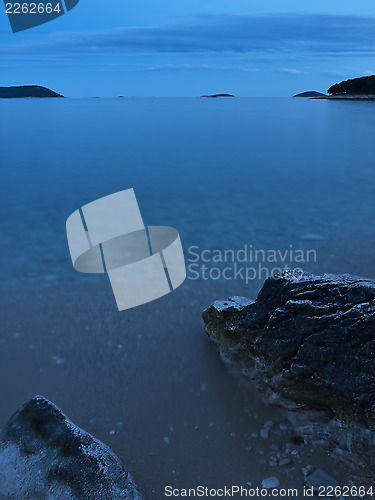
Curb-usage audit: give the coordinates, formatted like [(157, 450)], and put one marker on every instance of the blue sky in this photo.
[(190, 47)]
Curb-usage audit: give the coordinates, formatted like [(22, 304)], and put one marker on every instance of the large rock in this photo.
[(43, 455), (309, 342)]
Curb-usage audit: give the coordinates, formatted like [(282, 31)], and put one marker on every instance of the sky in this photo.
[(178, 48)]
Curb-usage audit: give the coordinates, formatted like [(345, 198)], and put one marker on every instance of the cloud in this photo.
[(291, 71), (212, 33), (177, 67)]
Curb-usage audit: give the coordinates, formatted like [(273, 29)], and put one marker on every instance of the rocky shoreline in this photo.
[(359, 97), (308, 343)]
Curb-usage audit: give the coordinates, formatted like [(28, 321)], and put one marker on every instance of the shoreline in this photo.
[(356, 97)]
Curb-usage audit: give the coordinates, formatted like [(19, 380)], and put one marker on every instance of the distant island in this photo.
[(356, 88), (362, 88), (214, 96), (311, 93), (27, 91)]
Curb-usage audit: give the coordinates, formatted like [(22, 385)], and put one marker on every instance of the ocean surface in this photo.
[(274, 175), (262, 172)]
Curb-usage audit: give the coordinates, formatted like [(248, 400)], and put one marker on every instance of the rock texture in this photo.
[(43, 455), (309, 342)]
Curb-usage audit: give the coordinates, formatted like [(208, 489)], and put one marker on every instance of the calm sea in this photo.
[(271, 173)]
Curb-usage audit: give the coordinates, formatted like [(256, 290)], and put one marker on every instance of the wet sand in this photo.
[(148, 383)]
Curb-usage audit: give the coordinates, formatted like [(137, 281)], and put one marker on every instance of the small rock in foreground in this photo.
[(270, 482), (319, 479), (44, 455)]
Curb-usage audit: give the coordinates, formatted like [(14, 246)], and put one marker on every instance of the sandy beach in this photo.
[(148, 383)]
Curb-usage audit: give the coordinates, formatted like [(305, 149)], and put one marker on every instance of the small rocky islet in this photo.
[(216, 96), (310, 94)]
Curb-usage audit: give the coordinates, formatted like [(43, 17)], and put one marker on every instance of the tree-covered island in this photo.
[(363, 86)]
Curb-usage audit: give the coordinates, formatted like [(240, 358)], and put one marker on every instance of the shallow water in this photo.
[(271, 173), (263, 172)]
